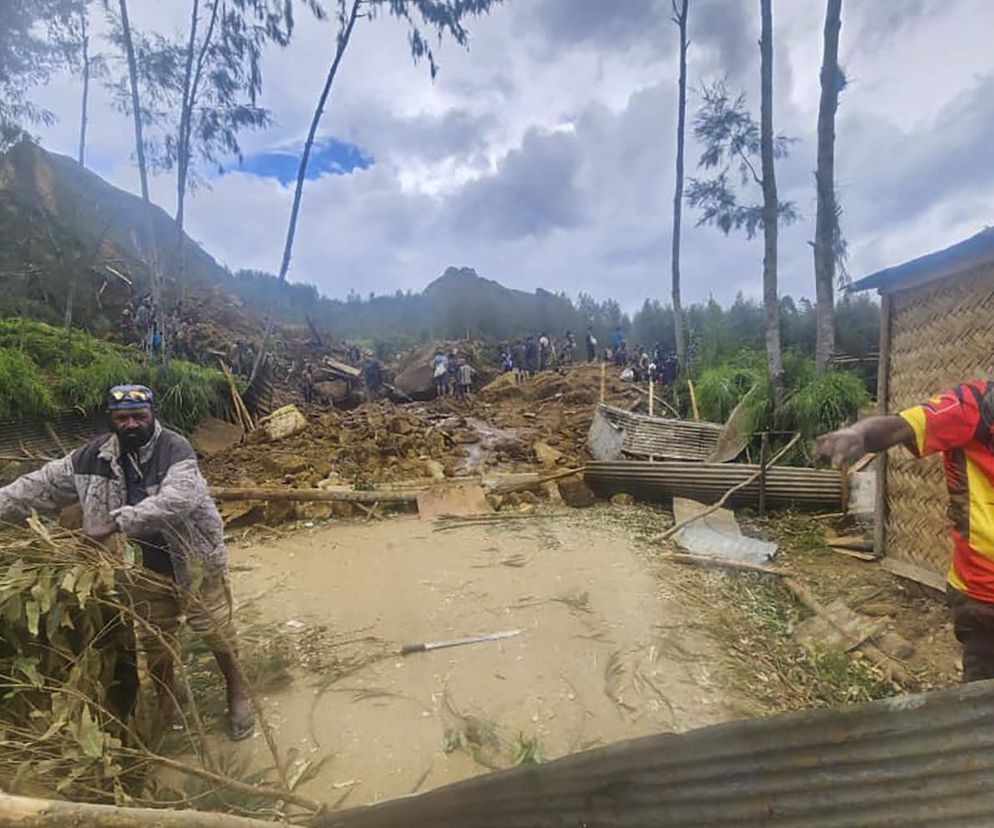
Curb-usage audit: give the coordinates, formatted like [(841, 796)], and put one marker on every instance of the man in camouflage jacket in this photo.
[(143, 482)]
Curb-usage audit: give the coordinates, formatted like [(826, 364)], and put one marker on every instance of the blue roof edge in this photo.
[(976, 250)]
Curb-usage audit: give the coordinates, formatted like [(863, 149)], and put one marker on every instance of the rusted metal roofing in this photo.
[(36, 437), (923, 761), (707, 482), (661, 437)]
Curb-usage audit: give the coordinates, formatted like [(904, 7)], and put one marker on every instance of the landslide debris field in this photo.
[(615, 640)]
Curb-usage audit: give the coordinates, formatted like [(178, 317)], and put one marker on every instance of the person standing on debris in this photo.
[(466, 374), (959, 424), (308, 383), (372, 377), (591, 345), (531, 355), (452, 380), (143, 482), (543, 352), (440, 372), (569, 348), (518, 355)]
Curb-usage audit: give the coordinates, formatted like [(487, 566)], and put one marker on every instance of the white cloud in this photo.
[(543, 155)]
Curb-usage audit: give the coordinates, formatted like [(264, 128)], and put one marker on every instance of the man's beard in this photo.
[(132, 439)]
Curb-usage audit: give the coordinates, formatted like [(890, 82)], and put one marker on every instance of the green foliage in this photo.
[(813, 405), (43, 368), (730, 137), (825, 403), (59, 657), (721, 388), (22, 391), (186, 393)]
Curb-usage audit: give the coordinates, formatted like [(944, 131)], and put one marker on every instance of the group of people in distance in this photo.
[(154, 331), (534, 354), (453, 376), (527, 357), (641, 365)]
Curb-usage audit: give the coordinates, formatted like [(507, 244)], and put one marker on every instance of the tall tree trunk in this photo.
[(191, 86), (680, 17), (826, 222), (85, 41), (771, 296), (182, 144), (129, 49), (343, 41)]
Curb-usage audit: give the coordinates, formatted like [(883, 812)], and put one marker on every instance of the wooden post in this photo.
[(764, 449), (603, 378), (883, 390), (693, 400), (652, 397)]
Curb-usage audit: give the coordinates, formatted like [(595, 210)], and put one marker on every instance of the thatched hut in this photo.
[(936, 330)]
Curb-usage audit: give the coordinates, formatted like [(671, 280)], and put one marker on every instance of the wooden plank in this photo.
[(913, 572), (311, 495)]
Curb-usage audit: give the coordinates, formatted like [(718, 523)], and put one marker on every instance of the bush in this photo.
[(812, 405), (825, 403), (44, 368), (23, 393)]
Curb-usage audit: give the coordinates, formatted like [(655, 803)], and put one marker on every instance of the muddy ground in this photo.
[(615, 641), (607, 649)]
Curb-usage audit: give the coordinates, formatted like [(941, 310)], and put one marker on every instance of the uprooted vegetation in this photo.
[(75, 722), (44, 369)]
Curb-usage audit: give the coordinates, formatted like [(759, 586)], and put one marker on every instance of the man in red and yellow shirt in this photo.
[(960, 424)]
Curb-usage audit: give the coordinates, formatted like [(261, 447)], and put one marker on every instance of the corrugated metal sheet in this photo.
[(660, 437), (73, 429), (707, 482), (914, 761)]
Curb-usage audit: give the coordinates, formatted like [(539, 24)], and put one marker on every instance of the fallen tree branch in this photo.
[(311, 495), (231, 784), (669, 533), (722, 563), (514, 486), (25, 812)]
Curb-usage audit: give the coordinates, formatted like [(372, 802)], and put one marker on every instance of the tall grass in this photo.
[(23, 393), (825, 403), (812, 405), (44, 368)]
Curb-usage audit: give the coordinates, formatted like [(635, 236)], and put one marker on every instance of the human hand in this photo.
[(840, 448), (100, 532)]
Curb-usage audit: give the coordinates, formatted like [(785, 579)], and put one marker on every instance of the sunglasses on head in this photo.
[(136, 394)]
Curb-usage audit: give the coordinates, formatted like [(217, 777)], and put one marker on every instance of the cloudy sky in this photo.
[(543, 155)]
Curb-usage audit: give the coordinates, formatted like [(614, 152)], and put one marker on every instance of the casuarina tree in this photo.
[(771, 211), (680, 18), (424, 18), (732, 139), (828, 246)]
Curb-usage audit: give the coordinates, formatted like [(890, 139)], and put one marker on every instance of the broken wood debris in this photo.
[(890, 666), (311, 495), (669, 533)]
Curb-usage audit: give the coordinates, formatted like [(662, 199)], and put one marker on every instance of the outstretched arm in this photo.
[(865, 437), (48, 489)]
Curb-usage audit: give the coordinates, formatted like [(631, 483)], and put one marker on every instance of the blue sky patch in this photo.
[(328, 157)]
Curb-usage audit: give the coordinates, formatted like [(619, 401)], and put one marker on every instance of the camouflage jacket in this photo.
[(178, 504)]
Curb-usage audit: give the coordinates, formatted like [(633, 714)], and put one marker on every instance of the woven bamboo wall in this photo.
[(942, 333)]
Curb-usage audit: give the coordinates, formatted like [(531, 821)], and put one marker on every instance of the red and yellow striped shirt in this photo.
[(960, 424)]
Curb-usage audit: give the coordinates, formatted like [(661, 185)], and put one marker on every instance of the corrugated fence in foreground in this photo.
[(924, 760)]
